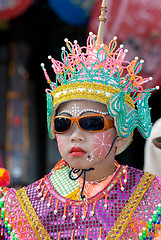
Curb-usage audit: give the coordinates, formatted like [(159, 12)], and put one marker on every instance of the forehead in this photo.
[(82, 104)]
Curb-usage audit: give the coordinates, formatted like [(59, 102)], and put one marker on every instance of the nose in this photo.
[(76, 133)]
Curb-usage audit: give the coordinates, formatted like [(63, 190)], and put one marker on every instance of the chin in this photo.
[(80, 164)]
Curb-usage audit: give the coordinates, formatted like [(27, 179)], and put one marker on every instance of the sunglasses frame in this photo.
[(108, 123)]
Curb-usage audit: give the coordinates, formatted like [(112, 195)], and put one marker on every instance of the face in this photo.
[(81, 149)]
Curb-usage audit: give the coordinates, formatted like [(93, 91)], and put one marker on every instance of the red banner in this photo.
[(13, 8), (137, 24)]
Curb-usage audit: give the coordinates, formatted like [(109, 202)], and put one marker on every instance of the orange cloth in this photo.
[(93, 187)]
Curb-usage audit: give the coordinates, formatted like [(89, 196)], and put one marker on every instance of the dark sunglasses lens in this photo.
[(92, 123), (62, 124)]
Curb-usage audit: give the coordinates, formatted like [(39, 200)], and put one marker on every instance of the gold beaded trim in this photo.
[(31, 215), (84, 90), (127, 212)]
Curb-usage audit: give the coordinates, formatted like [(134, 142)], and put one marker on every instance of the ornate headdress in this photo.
[(100, 73)]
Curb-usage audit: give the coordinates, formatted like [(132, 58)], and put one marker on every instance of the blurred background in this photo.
[(30, 30)]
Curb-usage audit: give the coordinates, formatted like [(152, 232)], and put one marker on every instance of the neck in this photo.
[(100, 171)]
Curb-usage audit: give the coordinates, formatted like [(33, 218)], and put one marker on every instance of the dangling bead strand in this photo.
[(39, 186), (105, 205), (92, 212), (84, 212), (73, 218), (49, 203), (55, 210), (59, 236), (100, 235), (72, 237), (65, 210), (86, 238)]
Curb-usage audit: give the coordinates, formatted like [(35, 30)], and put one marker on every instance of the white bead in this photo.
[(126, 50), (48, 205), (64, 216), (125, 180), (157, 87), (49, 57), (94, 35), (140, 234), (6, 219), (42, 199), (101, 45), (99, 238), (114, 38), (55, 211), (40, 194), (63, 48), (105, 206), (90, 33), (121, 45), (141, 61), (42, 64), (136, 58), (73, 219), (124, 171), (155, 212), (92, 213), (9, 225), (75, 41), (122, 188), (150, 220), (144, 228), (66, 40), (159, 205), (83, 217), (150, 78), (38, 187)]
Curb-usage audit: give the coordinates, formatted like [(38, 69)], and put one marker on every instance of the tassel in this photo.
[(87, 234)]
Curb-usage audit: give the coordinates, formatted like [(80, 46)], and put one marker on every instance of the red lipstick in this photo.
[(77, 152)]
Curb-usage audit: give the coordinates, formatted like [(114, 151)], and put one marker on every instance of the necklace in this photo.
[(91, 188)]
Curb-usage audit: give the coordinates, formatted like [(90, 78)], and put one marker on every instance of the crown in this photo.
[(101, 73), (97, 63)]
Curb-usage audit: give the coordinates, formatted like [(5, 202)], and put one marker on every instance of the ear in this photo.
[(120, 141)]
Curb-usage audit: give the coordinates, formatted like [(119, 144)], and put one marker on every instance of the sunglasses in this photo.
[(88, 123)]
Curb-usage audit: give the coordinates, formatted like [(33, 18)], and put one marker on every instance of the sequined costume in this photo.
[(48, 209)]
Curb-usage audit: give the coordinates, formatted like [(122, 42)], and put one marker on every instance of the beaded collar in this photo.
[(65, 190)]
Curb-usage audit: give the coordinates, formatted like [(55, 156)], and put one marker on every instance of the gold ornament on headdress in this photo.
[(102, 19)]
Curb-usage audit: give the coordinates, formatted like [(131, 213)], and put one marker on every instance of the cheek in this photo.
[(101, 144), (59, 141)]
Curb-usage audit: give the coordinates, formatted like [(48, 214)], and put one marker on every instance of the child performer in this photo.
[(92, 109)]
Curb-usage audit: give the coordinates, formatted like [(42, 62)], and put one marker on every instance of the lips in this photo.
[(77, 152)]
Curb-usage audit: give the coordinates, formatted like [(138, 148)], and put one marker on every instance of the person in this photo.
[(157, 142), (152, 154), (92, 109)]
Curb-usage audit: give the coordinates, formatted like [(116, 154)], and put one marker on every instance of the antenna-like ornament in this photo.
[(102, 19)]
